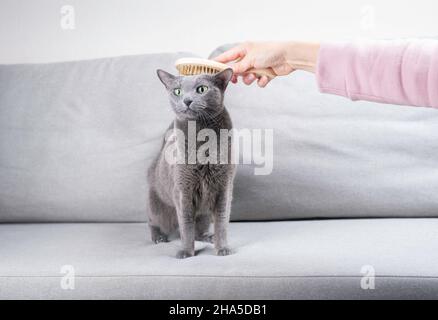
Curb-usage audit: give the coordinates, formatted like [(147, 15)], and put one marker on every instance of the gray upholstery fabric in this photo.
[(334, 157), (289, 259), (77, 137)]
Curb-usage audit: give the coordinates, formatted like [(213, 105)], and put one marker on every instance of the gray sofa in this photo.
[(349, 211)]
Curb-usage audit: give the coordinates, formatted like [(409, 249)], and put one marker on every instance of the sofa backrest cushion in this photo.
[(76, 139)]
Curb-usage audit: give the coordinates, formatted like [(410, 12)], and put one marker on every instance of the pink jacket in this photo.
[(398, 72)]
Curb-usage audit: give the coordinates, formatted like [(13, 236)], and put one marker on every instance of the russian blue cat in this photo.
[(189, 195)]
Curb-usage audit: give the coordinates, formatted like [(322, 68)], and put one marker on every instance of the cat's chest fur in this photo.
[(203, 176), (204, 180)]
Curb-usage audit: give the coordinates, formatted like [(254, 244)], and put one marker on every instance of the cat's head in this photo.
[(193, 97)]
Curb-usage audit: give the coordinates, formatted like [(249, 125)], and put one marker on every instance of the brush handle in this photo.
[(268, 72)]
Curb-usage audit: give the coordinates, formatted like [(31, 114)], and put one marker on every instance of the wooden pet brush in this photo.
[(193, 66)]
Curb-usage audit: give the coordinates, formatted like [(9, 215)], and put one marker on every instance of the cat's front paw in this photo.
[(157, 236), (224, 251), (182, 254)]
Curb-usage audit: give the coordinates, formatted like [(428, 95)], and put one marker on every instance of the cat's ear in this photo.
[(165, 77), (222, 78)]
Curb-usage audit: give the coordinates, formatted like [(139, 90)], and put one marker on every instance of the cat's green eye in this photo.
[(177, 91), (201, 89)]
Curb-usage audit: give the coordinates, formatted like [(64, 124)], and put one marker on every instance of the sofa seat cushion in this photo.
[(283, 260)]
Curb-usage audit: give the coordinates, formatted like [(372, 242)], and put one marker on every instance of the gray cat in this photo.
[(187, 196)]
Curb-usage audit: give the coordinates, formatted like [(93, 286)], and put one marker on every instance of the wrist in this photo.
[(302, 55)]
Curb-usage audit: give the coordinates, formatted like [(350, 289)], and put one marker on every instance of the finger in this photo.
[(249, 78), (263, 81), (231, 54), (234, 79), (241, 66)]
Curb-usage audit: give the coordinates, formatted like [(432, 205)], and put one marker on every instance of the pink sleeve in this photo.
[(398, 72)]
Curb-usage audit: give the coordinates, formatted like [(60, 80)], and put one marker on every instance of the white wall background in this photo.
[(37, 30)]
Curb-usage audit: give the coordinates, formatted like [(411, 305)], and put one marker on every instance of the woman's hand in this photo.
[(282, 57)]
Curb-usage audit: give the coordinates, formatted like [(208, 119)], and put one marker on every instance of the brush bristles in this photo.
[(190, 69)]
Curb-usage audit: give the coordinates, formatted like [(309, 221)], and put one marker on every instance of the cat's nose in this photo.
[(188, 102)]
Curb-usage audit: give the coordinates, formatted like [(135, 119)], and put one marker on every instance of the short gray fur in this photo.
[(186, 196)]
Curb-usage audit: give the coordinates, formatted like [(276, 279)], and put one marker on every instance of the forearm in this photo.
[(398, 72)]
